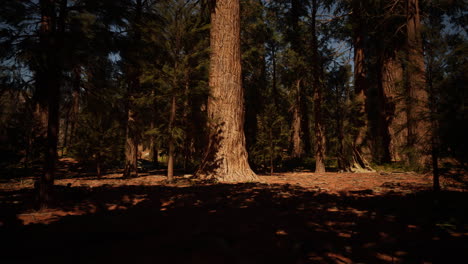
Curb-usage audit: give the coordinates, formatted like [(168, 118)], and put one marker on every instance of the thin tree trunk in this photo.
[(188, 128), (75, 103), (226, 157), (318, 98), (341, 154), (343, 160), (170, 159), (72, 112), (435, 165), (419, 130), (434, 121), (65, 134), (153, 143), (134, 72), (98, 164), (47, 181), (49, 40), (131, 147), (297, 147), (153, 147), (272, 151), (274, 85)]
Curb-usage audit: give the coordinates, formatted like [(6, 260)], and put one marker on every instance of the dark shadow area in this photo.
[(243, 223)]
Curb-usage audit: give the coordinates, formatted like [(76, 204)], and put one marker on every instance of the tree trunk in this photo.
[(153, 143), (51, 73), (274, 88), (297, 147), (98, 164), (417, 108), (153, 146), (40, 114), (134, 72), (131, 147), (381, 139), (433, 112), (226, 157), (75, 103), (188, 140), (318, 98), (65, 133), (170, 158), (72, 113), (395, 117), (272, 151), (357, 162), (343, 104)]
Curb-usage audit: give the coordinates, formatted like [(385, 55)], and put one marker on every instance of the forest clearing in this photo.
[(352, 184), (292, 217)]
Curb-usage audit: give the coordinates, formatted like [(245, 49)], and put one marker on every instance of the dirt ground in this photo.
[(286, 218), (368, 184)]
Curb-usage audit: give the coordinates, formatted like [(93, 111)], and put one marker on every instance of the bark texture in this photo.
[(134, 72), (153, 147), (357, 162), (131, 147), (226, 156), (170, 158), (419, 129), (296, 137), (394, 108), (320, 142)]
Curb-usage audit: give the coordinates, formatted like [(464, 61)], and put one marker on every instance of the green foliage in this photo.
[(98, 139), (107, 47)]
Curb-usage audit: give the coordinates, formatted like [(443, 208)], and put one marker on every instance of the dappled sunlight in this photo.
[(233, 223)]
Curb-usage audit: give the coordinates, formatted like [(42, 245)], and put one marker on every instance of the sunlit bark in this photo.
[(226, 156)]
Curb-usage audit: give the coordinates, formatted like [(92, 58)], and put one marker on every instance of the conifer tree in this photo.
[(226, 157)]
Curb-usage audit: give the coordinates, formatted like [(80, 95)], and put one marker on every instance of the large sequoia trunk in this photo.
[(395, 117), (417, 104), (357, 162), (226, 156)]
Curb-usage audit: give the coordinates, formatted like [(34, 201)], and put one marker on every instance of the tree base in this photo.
[(242, 175), (357, 163)]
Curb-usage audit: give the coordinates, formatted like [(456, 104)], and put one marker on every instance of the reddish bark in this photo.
[(226, 156)]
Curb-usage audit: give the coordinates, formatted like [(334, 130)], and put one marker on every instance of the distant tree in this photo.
[(254, 35), (98, 134), (133, 71), (320, 141)]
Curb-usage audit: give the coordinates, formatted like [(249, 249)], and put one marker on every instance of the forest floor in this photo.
[(297, 217)]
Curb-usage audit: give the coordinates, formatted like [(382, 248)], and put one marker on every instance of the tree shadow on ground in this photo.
[(237, 223)]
